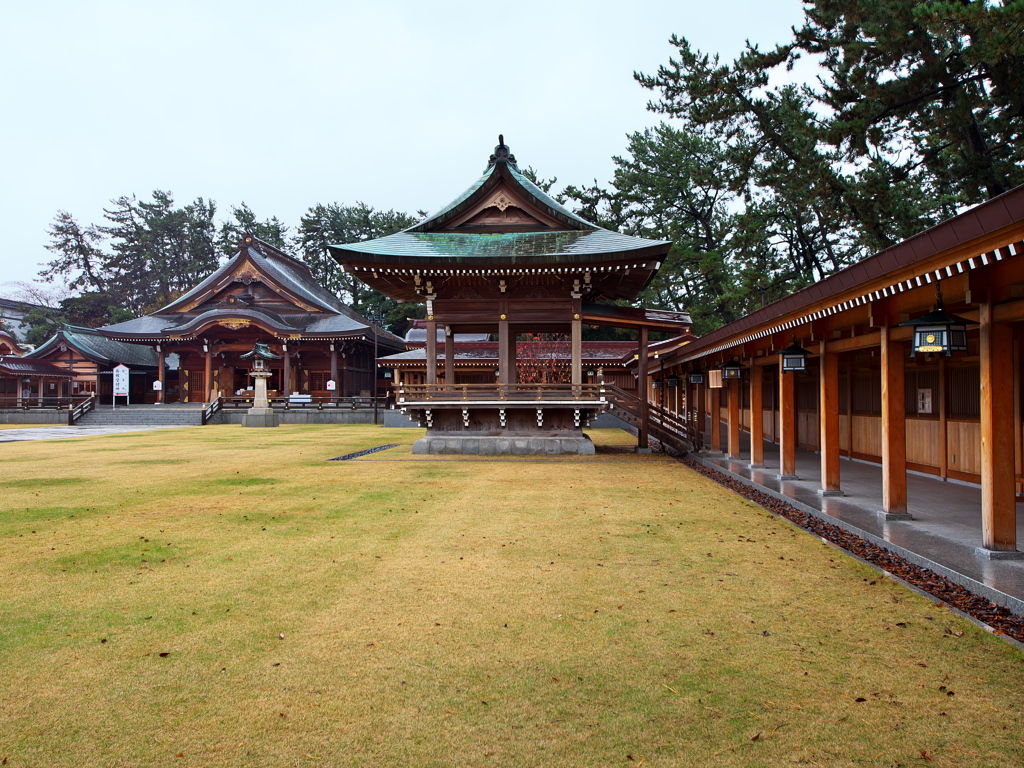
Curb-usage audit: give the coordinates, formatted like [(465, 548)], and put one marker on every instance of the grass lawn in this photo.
[(225, 597)]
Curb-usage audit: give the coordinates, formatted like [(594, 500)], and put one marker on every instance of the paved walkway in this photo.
[(943, 535), (55, 431)]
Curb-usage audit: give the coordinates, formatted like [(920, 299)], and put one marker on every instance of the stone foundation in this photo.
[(260, 417), (505, 445)]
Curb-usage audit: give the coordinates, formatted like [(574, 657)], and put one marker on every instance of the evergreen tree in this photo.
[(335, 224)]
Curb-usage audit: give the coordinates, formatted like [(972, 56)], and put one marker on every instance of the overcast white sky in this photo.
[(285, 105)]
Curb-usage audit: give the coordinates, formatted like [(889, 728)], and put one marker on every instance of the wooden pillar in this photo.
[(998, 509), (505, 364), (894, 428), (733, 429), (787, 424), (641, 391), (208, 375), (700, 404), (449, 357), (828, 421), (334, 371), (431, 352), (756, 415), (943, 424), (41, 389), (577, 346), (160, 375), (286, 384), (716, 419)]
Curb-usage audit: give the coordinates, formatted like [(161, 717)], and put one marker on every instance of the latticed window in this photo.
[(965, 393), (318, 380)]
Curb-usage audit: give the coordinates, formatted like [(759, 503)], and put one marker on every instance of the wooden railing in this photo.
[(78, 411), (419, 393), (236, 403), (48, 403), (671, 429), (211, 410)]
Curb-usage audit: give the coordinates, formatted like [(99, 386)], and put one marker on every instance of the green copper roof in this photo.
[(575, 241), (509, 248)]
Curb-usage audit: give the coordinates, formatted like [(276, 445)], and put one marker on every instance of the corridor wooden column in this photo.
[(715, 419), (998, 507), (756, 415), (894, 428), (449, 356), (700, 405), (641, 392), (733, 423), (828, 404), (431, 361), (787, 424)]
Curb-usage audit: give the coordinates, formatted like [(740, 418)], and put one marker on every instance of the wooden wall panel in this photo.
[(867, 435), (923, 441), (964, 450), (807, 430), (844, 432)]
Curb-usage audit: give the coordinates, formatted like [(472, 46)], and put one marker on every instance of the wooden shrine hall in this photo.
[(506, 259), (260, 295), (911, 359)]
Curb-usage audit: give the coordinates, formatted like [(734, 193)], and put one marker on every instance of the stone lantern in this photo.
[(261, 414)]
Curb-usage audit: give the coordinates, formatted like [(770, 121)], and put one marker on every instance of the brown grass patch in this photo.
[(441, 612)]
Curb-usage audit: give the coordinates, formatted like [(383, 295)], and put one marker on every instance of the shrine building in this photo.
[(505, 259), (261, 295)]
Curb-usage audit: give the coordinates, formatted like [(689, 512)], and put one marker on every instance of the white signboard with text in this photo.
[(121, 381)]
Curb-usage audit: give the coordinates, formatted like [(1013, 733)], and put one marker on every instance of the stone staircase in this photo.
[(177, 415)]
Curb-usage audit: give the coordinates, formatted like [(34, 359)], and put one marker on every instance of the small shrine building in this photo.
[(506, 259)]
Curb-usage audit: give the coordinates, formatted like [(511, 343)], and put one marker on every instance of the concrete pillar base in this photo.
[(996, 554), (786, 477), (822, 492), (894, 516)]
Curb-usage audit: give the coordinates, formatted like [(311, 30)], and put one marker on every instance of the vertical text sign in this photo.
[(121, 381)]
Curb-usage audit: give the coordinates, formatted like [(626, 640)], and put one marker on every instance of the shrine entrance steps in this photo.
[(176, 415)]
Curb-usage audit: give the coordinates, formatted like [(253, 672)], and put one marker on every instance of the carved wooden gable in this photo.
[(502, 210)]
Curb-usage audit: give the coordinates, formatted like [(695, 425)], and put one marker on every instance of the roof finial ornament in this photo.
[(502, 153)]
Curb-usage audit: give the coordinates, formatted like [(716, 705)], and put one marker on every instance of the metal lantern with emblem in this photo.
[(794, 357), (939, 332), (695, 376), (656, 384), (672, 381), (732, 370)]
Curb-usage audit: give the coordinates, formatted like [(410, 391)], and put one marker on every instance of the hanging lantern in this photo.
[(656, 384), (696, 376), (938, 331), (672, 381), (732, 370), (794, 357)]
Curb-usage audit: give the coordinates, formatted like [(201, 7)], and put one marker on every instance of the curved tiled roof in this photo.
[(92, 344), (578, 241)]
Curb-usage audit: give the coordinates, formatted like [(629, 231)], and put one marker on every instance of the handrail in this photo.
[(353, 402), (515, 392), (211, 410), (78, 411), (664, 426), (46, 402)]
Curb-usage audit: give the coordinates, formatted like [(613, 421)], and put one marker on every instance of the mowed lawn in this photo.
[(226, 597)]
